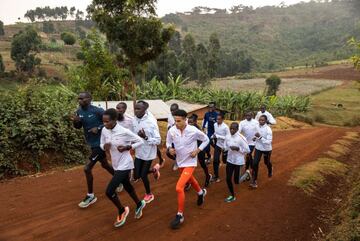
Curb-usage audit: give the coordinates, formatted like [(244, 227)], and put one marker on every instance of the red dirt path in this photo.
[(45, 208)]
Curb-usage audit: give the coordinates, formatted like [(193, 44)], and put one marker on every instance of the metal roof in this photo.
[(158, 108), (188, 107)]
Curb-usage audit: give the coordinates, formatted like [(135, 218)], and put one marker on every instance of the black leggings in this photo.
[(201, 158), (124, 178), (257, 158), (249, 157), (217, 153), (231, 170), (142, 169)]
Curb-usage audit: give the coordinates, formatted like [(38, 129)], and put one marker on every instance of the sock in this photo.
[(90, 195), (179, 213), (201, 192)]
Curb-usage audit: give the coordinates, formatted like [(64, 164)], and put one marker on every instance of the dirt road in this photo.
[(45, 208)]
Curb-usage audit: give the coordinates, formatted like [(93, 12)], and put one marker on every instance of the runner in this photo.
[(171, 122), (89, 118), (269, 116), (237, 147), (263, 139), (119, 141), (146, 128), (192, 120), (208, 124), (124, 119), (249, 127), (221, 131), (184, 138)]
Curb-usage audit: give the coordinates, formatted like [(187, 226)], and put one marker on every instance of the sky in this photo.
[(10, 10)]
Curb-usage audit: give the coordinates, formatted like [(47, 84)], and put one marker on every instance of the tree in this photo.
[(24, 46), (72, 11), (175, 43), (2, 66), (214, 52), (134, 28), (356, 57), (201, 64), (68, 38), (188, 59), (2, 32), (273, 83)]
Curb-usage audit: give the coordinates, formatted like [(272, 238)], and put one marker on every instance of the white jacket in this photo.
[(249, 128), (148, 151), (263, 143), (185, 143), (237, 140), (120, 136), (127, 122), (221, 131), (269, 116)]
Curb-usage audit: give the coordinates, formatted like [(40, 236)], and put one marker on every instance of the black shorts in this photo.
[(97, 154)]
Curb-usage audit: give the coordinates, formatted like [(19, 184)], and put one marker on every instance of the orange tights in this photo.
[(186, 176)]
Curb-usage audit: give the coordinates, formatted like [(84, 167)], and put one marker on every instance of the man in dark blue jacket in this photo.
[(89, 118), (208, 124)]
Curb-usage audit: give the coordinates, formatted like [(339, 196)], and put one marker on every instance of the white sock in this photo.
[(181, 214), (200, 192), (90, 195)]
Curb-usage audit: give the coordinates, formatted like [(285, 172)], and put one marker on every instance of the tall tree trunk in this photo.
[(133, 81)]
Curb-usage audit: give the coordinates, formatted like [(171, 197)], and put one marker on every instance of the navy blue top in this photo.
[(210, 119), (91, 117)]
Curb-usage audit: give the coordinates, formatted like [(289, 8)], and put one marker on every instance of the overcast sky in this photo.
[(10, 10)]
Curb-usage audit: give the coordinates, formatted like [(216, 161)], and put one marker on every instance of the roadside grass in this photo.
[(325, 105), (313, 174)]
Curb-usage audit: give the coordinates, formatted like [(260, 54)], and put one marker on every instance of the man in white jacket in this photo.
[(249, 128), (145, 127), (182, 141), (270, 119), (263, 146)]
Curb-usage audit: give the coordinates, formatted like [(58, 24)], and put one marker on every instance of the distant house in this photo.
[(158, 108), (198, 109)]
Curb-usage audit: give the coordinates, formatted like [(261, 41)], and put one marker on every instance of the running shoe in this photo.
[(175, 167), (120, 188), (207, 180), (201, 198), (187, 187), (138, 211), (88, 200), (148, 198), (179, 219), (156, 171), (215, 179), (270, 173), (253, 185), (230, 199), (121, 219)]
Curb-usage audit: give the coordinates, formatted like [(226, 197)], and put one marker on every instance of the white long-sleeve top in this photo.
[(269, 116), (249, 128), (237, 140), (147, 151), (264, 142), (170, 121), (120, 136), (221, 131), (127, 122), (185, 143)]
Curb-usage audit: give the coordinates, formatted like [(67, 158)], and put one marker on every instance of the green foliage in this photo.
[(68, 38), (48, 27), (2, 66), (234, 102), (134, 28), (356, 57), (34, 120), (2, 32), (47, 13), (24, 46), (52, 46), (99, 73), (273, 83)]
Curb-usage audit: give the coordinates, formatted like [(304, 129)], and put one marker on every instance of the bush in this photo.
[(2, 32), (2, 66), (52, 47), (80, 55), (33, 122), (273, 83), (48, 27), (68, 38)]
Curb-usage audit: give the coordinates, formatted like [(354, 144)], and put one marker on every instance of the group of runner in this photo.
[(115, 137)]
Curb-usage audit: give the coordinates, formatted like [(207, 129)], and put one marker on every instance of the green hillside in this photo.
[(277, 37)]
